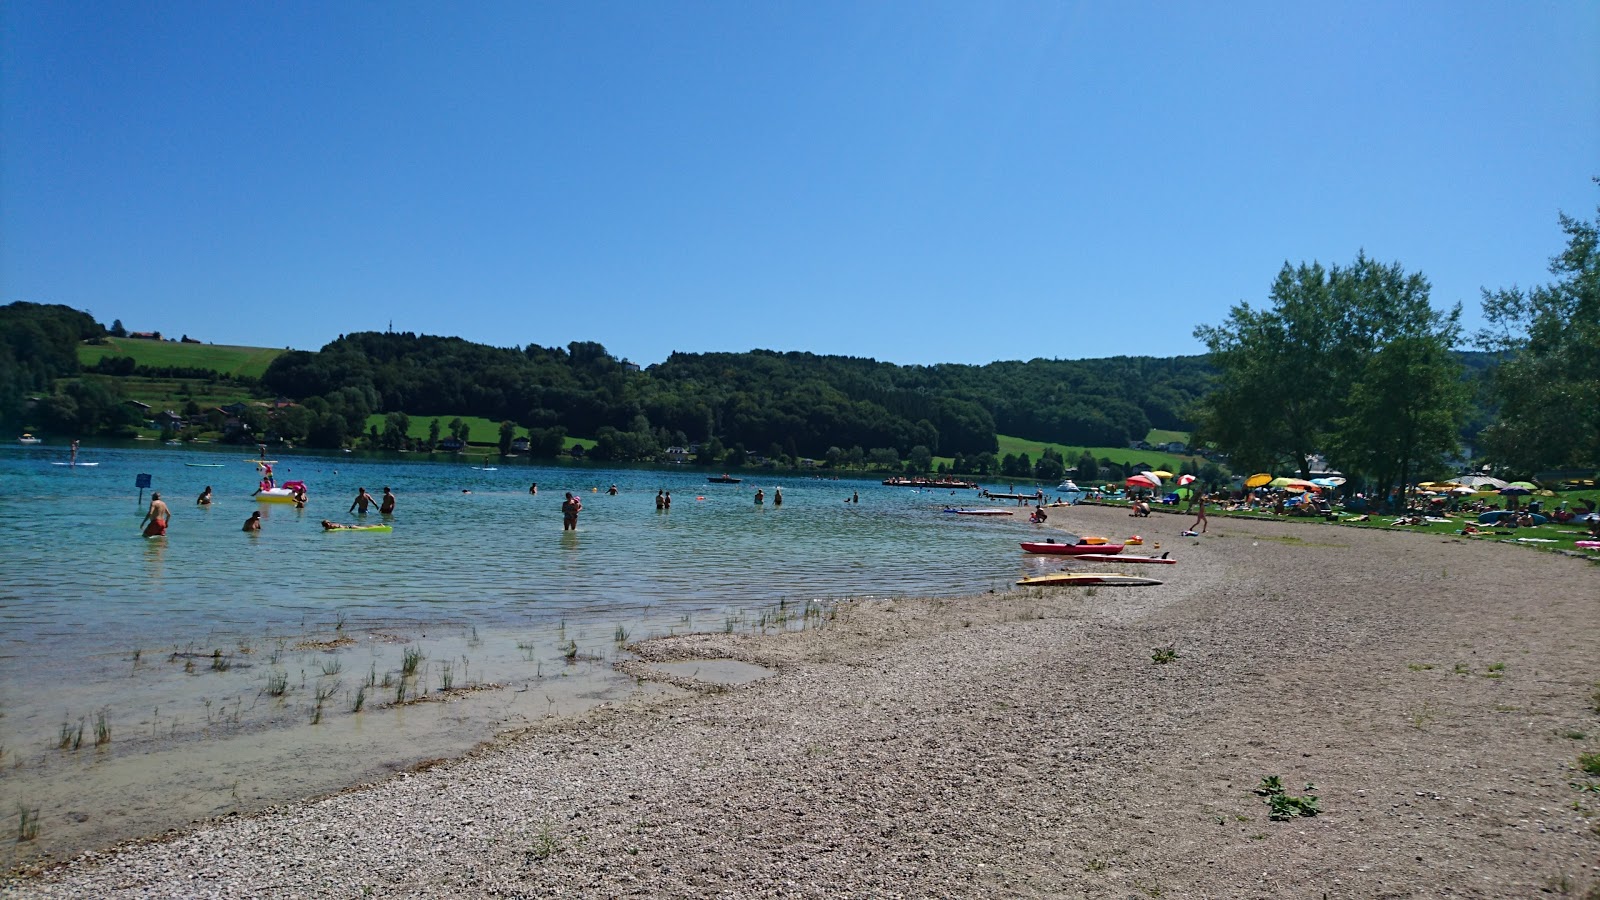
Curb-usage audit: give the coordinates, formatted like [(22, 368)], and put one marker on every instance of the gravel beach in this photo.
[(1437, 693)]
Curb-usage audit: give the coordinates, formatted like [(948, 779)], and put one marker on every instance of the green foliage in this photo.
[(1164, 655), (1548, 387), (1330, 365), (38, 344), (1282, 805)]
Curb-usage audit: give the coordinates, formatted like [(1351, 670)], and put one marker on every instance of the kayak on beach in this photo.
[(1163, 559), (1070, 579), (1086, 547)]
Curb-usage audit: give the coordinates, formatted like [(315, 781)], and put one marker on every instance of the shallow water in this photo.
[(220, 661)]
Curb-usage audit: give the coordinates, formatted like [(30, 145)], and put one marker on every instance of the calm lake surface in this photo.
[(174, 643)]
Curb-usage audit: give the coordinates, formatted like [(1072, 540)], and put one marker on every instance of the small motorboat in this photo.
[(1086, 579), (724, 479), (28, 439), (1078, 549)]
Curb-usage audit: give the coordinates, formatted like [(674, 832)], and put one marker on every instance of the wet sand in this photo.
[(1437, 692)]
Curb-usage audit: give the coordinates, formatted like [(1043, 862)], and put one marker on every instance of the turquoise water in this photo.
[(176, 643), (468, 546)]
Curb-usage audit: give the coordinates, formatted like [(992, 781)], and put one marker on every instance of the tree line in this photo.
[(1353, 363)]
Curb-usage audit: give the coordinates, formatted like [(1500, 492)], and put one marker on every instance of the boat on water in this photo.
[(902, 481), (724, 479), (284, 493), (1068, 486), (1037, 495), (28, 439), (1051, 547), (1086, 579), (978, 512)]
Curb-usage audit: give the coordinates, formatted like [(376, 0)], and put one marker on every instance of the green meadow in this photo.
[(250, 362), (1153, 458)]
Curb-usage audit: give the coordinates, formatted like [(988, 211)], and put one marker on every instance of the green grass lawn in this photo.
[(480, 431), (1159, 436), (1035, 449), (248, 361)]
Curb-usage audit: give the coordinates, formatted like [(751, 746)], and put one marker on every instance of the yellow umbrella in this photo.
[(1257, 480), (1161, 474)]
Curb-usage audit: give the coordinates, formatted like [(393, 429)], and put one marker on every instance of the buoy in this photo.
[(1135, 540)]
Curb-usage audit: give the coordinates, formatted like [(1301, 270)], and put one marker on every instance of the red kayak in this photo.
[(1107, 557), (1071, 549)]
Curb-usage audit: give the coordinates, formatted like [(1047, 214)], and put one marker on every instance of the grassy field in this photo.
[(1158, 436), (247, 361), (173, 393), (1035, 449)]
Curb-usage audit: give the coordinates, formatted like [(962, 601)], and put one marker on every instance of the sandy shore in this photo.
[(1438, 694)]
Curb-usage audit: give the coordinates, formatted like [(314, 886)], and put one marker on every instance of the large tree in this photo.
[(1404, 412), (1548, 385), (1286, 372)]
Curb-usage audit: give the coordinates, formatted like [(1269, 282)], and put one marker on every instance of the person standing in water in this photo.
[(570, 508), (661, 500), (74, 459), (205, 497), (386, 506), (761, 496), (157, 516), (254, 522), (777, 496), (363, 500)]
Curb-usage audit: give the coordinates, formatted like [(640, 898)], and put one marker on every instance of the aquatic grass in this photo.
[(360, 700), (137, 653), (411, 658), (68, 739), (325, 691), (27, 823), (400, 692), (620, 636), (569, 650), (339, 621), (446, 676), (331, 666), (102, 729), (220, 663), (277, 683)]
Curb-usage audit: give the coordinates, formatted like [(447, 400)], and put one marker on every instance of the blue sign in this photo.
[(142, 480)]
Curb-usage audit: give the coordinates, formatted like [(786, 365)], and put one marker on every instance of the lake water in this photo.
[(200, 649)]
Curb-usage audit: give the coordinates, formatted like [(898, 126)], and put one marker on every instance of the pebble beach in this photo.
[(1436, 692)]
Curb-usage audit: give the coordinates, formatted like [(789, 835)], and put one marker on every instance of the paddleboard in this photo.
[(361, 528), (1070, 579), (486, 468), (1106, 557), (204, 465), (261, 462), (75, 465)]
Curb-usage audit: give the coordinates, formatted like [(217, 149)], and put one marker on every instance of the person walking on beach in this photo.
[(1199, 526), (157, 516), (386, 506), (570, 508), (205, 497), (363, 500), (254, 522)]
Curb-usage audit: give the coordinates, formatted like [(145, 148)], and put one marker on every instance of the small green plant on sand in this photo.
[(545, 843), (1590, 764), (1419, 667), (410, 659), (1281, 804), (1164, 655), (1496, 670)]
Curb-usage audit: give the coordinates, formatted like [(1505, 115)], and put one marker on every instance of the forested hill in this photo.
[(801, 403)]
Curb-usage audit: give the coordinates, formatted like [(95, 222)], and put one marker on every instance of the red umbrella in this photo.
[(1143, 480), (1185, 479)]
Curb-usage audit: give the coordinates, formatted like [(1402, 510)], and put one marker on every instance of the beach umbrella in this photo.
[(1327, 482), (1161, 473), (1525, 485), (1144, 480), (1185, 479), (1257, 480), (1463, 491), (1513, 490), (1483, 482)]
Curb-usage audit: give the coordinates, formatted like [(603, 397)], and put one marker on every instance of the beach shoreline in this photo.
[(1436, 692)]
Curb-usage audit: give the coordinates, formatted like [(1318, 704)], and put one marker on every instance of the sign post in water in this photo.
[(141, 481)]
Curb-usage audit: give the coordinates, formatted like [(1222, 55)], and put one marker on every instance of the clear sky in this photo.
[(920, 182)]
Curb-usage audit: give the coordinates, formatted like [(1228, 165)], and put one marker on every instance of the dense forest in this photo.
[(791, 404)]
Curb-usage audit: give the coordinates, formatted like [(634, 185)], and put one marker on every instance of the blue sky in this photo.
[(918, 182)]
